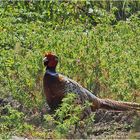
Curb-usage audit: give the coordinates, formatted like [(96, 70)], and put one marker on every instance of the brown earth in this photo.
[(116, 125)]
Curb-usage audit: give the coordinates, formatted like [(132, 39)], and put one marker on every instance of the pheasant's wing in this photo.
[(73, 87)]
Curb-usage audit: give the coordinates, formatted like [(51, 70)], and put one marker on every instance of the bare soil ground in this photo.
[(116, 125)]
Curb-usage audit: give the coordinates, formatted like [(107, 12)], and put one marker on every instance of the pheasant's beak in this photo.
[(45, 59)]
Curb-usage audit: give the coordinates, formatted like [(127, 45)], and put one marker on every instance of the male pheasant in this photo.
[(56, 86)]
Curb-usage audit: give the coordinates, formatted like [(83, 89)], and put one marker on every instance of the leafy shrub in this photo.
[(13, 123), (68, 121)]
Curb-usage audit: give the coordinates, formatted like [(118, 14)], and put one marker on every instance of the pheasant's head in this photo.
[(50, 60)]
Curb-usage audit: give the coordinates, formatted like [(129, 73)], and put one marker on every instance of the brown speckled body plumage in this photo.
[(56, 86)]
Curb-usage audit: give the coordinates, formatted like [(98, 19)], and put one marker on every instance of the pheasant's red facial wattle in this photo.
[(50, 60)]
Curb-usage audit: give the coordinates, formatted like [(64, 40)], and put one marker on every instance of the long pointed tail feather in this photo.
[(118, 105)]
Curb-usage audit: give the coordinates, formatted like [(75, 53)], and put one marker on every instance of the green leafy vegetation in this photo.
[(98, 45)]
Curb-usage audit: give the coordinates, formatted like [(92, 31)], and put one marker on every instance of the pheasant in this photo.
[(56, 86)]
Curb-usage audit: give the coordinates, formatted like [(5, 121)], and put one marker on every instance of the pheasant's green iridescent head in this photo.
[(50, 60)]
